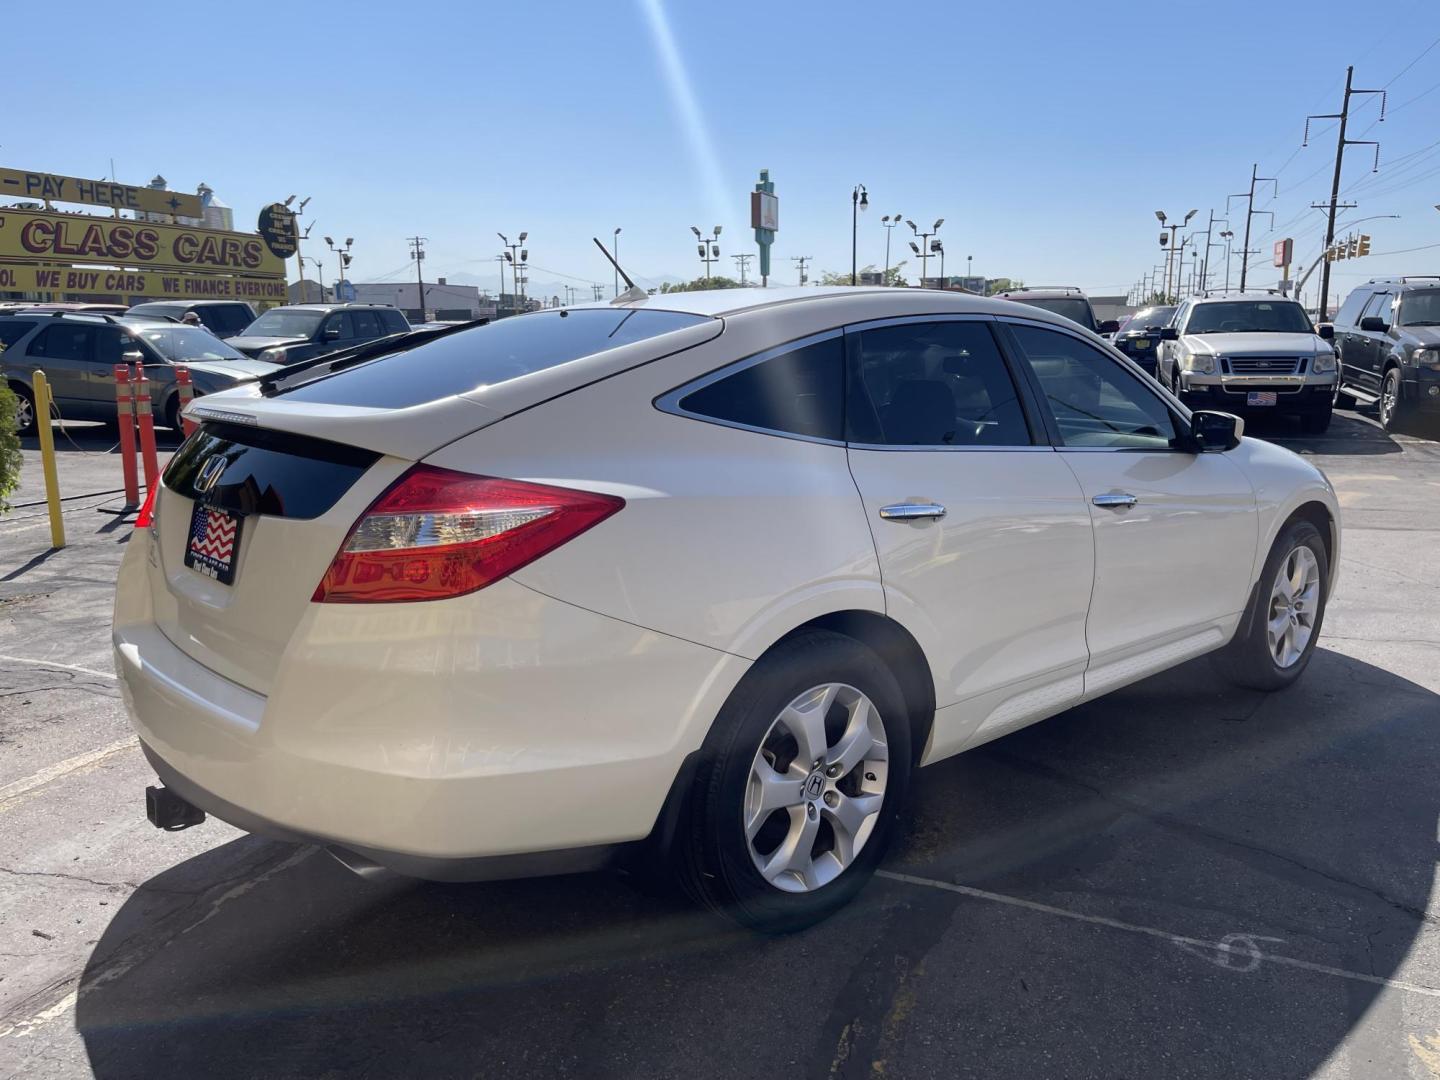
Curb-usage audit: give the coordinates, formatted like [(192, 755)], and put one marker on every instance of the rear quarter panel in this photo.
[(729, 538)]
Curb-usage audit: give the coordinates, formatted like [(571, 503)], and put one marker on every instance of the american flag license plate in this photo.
[(214, 539)]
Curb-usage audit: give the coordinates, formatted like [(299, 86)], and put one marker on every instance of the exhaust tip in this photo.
[(169, 811)]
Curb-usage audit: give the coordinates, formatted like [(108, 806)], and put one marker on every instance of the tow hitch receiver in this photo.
[(169, 811)]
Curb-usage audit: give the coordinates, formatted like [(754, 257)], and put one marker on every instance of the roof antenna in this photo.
[(631, 294)]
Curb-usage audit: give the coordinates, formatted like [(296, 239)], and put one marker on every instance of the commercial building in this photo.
[(442, 300)]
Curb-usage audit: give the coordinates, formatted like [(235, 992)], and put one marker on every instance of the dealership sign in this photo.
[(23, 184), (32, 236), (149, 283)]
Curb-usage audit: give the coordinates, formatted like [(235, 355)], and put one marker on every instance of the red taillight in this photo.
[(146, 517), (436, 533)]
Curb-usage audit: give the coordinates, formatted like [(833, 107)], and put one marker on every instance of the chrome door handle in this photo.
[(1115, 502), (912, 511)]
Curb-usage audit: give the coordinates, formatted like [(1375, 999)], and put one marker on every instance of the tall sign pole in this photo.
[(765, 220)]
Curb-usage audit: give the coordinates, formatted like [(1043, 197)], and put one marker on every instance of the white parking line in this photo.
[(12, 792), (1246, 951), (54, 664)]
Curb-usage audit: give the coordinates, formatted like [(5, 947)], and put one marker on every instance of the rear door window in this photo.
[(1349, 313), (471, 359), (935, 384), (12, 330), (796, 391), (365, 325), (66, 341)]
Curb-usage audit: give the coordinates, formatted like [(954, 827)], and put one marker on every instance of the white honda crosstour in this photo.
[(696, 580)]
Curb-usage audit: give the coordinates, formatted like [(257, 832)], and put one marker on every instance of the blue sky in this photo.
[(1044, 134)]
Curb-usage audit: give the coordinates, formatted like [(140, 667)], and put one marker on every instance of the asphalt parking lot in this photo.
[(1173, 881)]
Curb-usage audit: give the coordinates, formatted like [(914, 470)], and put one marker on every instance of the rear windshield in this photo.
[(470, 359), (1155, 316), (1074, 309)]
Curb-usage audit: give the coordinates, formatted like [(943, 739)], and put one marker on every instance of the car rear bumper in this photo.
[(424, 736)]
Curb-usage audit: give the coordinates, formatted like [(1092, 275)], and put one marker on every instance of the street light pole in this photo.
[(1227, 236), (923, 249), (709, 248), (1170, 255), (859, 200), (890, 221), (517, 264)]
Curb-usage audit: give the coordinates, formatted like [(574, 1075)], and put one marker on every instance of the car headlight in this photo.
[(1198, 363), (272, 356), (1427, 358), (1324, 363)]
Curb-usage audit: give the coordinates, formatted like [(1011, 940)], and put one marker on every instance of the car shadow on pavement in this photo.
[(1178, 837), (1351, 433)]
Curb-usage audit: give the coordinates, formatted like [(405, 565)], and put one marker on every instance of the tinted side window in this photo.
[(66, 341), (230, 319), (1094, 400), (114, 343), (801, 392), (935, 384), (12, 330), (1379, 307), (1349, 313), (392, 321), (365, 324)]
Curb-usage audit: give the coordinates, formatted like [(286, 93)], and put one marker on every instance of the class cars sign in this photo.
[(71, 280), (33, 236)]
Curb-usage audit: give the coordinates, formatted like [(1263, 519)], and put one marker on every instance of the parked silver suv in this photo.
[(1250, 353), (78, 353)]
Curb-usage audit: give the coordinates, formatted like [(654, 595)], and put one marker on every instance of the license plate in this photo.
[(1142, 343), (214, 539), (1260, 397)]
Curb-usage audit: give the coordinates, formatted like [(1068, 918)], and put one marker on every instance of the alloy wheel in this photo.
[(24, 413), (816, 787), (1294, 607)]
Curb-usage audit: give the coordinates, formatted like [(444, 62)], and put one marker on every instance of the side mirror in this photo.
[(1214, 432), (1109, 326), (1169, 333), (132, 356), (1326, 331), (1374, 324)]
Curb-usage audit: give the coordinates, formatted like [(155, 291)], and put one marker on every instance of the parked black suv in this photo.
[(223, 318), (1139, 336), (1388, 335), (284, 335)]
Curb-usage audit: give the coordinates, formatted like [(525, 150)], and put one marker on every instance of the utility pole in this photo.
[(743, 262), (597, 290), (417, 252), (501, 294), (1340, 143), (800, 261), (1250, 211)]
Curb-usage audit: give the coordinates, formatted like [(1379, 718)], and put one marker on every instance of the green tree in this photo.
[(892, 277), (9, 444), (1003, 284), (716, 282)]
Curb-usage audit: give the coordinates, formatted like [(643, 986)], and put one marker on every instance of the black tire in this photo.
[(713, 861), (1316, 423), (25, 402), (1395, 415), (1247, 661)]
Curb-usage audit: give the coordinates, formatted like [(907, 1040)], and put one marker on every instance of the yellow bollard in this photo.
[(47, 459)]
